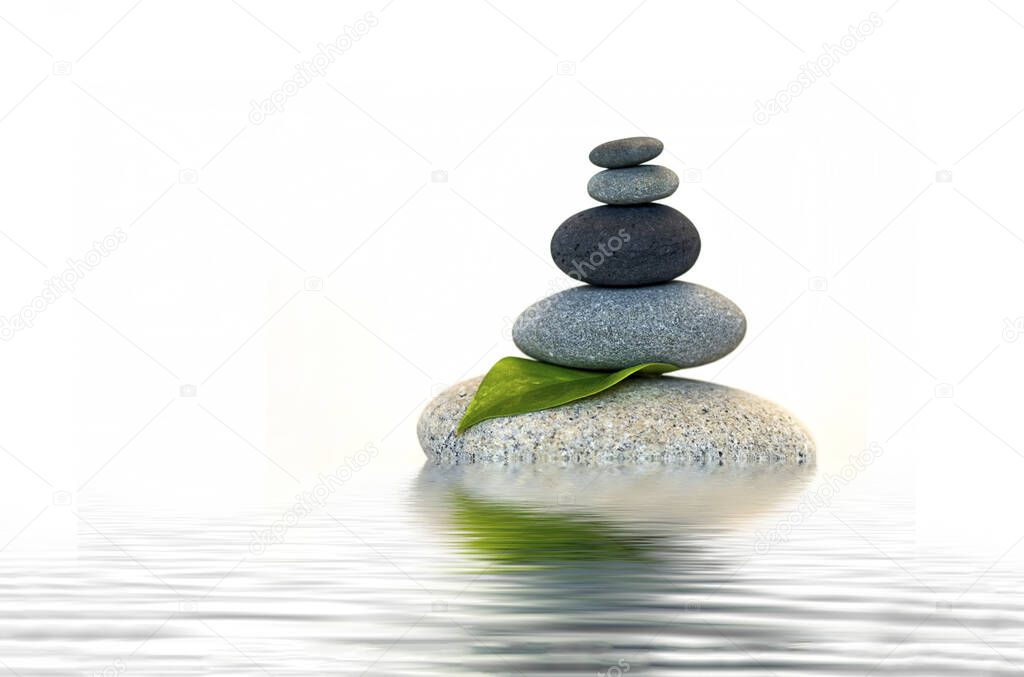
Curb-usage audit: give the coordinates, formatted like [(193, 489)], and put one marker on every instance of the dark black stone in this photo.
[(628, 246), (626, 152)]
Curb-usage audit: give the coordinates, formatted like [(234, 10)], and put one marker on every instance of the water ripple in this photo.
[(491, 570)]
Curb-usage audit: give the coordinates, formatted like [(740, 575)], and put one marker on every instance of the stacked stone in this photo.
[(631, 311), (629, 251)]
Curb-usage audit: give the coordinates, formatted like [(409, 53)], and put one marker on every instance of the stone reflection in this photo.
[(508, 534), (582, 570)]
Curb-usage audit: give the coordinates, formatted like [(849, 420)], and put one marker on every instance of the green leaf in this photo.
[(515, 385)]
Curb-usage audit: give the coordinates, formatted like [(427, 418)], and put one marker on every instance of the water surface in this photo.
[(483, 570)]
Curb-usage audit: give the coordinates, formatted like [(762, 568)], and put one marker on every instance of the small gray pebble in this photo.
[(627, 152), (633, 185)]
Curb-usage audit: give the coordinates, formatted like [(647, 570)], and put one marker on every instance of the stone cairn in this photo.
[(627, 251), (631, 310)]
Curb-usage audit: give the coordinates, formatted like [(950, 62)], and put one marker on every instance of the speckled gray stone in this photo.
[(626, 152), (641, 420), (626, 246), (609, 328), (633, 185)]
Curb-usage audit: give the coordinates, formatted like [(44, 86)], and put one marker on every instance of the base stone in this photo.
[(641, 420)]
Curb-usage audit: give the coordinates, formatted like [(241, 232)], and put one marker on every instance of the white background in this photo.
[(869, 279)]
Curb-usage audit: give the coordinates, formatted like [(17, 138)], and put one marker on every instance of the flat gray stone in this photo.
[(641, 420), (627, 152), (609, 328), (633, 185), (626, 246)]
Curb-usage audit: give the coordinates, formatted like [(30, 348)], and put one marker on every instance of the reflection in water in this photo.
[(511, 535), (627, 496), (531, 515), (488, 570), (592, 567)]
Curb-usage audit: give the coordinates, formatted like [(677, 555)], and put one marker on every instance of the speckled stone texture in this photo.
[(626, 152), (641, 420), (606, 328), (626, 246), (632, 185)]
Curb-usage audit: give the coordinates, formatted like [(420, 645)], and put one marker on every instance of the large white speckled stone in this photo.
[(641, 420)]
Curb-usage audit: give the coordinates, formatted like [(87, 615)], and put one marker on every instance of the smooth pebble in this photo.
[(605, 328), (633, 185), (626, 246), (627, 152)]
